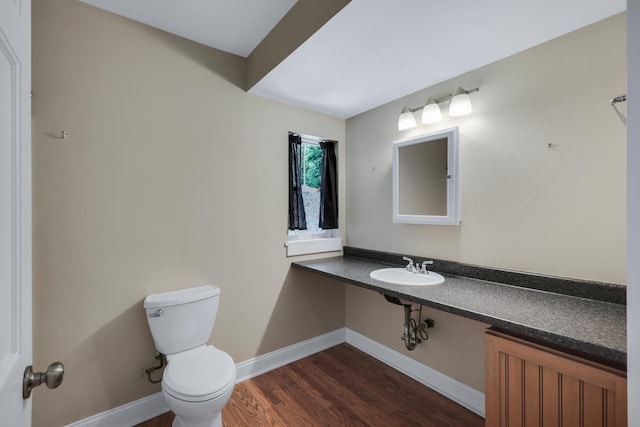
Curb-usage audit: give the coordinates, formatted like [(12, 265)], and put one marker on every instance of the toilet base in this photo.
[(215, 422), (199, 414), (190, 411)]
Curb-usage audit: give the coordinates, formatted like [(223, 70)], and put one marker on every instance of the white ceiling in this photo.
[(235, 26), (373, 51)]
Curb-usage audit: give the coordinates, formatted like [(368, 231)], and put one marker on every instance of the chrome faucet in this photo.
[(411, 266), (424, 270)]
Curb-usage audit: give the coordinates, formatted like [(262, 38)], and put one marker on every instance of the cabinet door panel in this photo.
[(532, 382), (570, 401), (513, 391), (550, 398), (594, 400), (530, 385)]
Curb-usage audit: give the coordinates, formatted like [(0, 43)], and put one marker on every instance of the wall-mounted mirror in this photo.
[(425, 179)]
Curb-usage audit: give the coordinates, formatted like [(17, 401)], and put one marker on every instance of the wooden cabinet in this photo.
[(531, 385)]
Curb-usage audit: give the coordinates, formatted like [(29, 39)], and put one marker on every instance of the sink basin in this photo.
[(400, 276)]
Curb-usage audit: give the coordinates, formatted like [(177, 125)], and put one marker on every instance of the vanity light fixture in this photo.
[(460, 105)]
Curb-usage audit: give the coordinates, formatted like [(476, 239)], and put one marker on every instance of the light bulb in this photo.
[(431, 112), (460, 103), (406, 120)]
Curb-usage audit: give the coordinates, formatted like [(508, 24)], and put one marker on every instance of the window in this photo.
[(313, 196), (310, 163)]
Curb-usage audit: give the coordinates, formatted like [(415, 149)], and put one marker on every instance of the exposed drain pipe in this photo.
[(414, 332)]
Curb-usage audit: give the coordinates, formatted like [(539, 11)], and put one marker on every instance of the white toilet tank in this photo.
[(182, 320)]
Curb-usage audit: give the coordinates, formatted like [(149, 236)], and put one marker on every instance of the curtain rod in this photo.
[(312, 138)]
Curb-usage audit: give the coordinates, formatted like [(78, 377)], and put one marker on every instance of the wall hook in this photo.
[(64, 134), (613, 102)]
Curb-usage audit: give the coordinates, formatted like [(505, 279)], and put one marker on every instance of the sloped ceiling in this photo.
[(232, 26), (372, 51)]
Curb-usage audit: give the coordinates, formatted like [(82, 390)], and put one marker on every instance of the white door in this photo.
[(15, 209)]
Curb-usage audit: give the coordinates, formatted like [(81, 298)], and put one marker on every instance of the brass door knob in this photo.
[(52, 378)]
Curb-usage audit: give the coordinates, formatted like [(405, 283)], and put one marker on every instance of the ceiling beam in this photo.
[(301, 22)]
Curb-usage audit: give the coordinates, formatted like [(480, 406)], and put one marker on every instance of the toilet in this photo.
[(198, 379)]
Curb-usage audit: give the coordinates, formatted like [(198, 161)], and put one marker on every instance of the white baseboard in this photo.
[(149, 407), (127, 415), (270, 361), (460, 393)]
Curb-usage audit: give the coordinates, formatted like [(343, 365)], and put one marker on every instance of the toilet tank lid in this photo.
[(182, 296)]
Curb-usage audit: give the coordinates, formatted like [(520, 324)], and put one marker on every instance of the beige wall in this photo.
[(558, 211), (172, 176)]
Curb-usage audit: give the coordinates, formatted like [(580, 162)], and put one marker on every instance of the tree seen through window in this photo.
[(311, 163)]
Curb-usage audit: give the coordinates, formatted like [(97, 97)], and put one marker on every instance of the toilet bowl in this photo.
[(199, 378)]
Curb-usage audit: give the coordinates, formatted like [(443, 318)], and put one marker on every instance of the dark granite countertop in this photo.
[(587, 327)]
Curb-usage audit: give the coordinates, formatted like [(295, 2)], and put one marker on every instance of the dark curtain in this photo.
[(328, 187), (297, 218)]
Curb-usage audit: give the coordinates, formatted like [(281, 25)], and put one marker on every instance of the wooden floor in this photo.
[(340, 386)]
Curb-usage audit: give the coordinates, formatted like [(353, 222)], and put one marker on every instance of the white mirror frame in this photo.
[(453, 181)]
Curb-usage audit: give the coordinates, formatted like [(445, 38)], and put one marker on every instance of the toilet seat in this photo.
[(198, 375)]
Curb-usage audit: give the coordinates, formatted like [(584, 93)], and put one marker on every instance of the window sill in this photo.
[(313, 246)]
